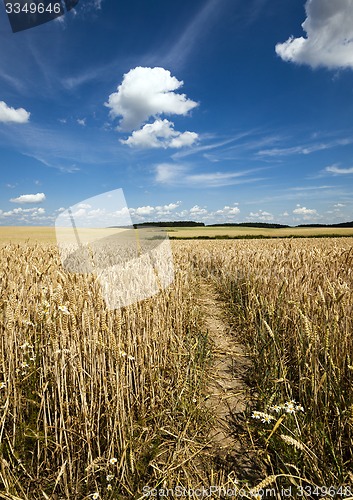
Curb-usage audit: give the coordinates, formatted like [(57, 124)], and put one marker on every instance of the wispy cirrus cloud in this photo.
[(305, 149), (308, 188), (67, 169), (177, 53), (336, 170), (181, 175), (60, 148), (97, 73), (218, 144)]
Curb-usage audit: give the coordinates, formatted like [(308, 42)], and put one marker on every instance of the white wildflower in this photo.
[(289, 406), (265, 417), (256, 414)]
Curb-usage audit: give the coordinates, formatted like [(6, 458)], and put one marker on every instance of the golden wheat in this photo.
[(94, 400)]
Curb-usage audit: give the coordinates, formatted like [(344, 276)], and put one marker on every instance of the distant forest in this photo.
[(268, 225)]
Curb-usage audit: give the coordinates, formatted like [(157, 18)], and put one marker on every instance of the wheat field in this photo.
[(104, 404)]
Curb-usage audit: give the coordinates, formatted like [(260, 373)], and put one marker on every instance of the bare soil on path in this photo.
[(228, 392)]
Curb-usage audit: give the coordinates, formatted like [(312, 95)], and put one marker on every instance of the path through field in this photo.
[(228, 391)]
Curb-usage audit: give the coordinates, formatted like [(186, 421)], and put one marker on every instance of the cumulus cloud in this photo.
[(81, 121), (261, 215), (29, 198), (169, 207), (329, 36), (144, 210), (304, 211), (153, 212), (160, 134), (227, 210), (12, 115), (33, 212), (196, 210), (145, 93), (334, 169)]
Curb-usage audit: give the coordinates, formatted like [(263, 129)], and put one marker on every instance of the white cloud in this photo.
[(167, 209), (261, 215), (33, 212), (167, 172), (171, 206), (195, 31), (217, 179), (334, 169), (339, 205), (304, 211), (196, 210), (12, 115), (227, 210), (29, 198), (156, 210), (144, 210), (329, 36), (176, 174), (145, 93), (81, 122), (160, 134)]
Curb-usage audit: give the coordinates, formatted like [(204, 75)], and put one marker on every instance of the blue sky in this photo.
[(211, 110)]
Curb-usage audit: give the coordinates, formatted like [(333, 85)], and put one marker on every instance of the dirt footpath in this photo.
[(227, 389)]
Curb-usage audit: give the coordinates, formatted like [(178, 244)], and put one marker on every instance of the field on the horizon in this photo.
[(42, 234)]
